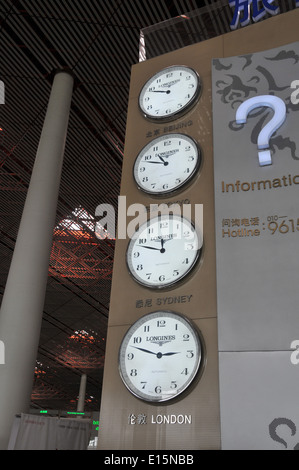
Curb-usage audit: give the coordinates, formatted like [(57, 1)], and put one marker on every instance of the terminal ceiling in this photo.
[(98, 40)]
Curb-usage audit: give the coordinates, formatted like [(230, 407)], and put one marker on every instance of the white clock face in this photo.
[(166, 164), (160, 356), (163, 251), (170, 93)]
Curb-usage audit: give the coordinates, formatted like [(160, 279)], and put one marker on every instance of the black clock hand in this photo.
[(162, 162), (159, 354), (170, 353), (149, 247), (144, 350), (160, 91)]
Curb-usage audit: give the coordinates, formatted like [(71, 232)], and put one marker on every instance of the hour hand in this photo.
[(169, 353)]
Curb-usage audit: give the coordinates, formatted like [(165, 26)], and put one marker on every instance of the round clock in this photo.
[(160, 356), (166, 164), (169, 93), (163, 251)]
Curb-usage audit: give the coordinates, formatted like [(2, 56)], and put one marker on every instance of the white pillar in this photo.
[(23, 300), (82, 391)]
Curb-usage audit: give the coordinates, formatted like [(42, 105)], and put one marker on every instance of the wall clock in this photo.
[(163, 251), (170, 93), (167, 164), (160, 356)]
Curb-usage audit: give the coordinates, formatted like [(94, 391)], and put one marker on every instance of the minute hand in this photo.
[(149, 247), (144, 350)]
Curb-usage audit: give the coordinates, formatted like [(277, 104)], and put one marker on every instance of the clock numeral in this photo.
[(137, 339), (143, 385), (133, 372), (141, 241), (139, 267), (190, 354), (163, 224), (161, 323), (158, 389), (186, 261), (130, 356), (162, 277), (173, 384), (185, 371), (189, 246), (186, 337), (146, 328), (136, 254), (148, 276), (175, 272)]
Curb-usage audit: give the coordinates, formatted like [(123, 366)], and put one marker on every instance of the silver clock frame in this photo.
[(180, 112), (196, 373), (183, 277), (181, 185)]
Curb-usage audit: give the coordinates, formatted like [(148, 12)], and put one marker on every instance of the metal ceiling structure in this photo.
[(98, 40)]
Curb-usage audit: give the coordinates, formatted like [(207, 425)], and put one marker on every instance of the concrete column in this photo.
[(23, 300), (82, 392)]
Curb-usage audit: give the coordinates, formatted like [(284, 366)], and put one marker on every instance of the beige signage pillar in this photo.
[(192, 420)]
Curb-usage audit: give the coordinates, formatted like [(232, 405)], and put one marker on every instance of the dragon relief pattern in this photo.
[(235, 88)]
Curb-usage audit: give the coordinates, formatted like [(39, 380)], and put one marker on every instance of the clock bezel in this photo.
[(182, 278), (180, 112), (186, 182), (196, 373)]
